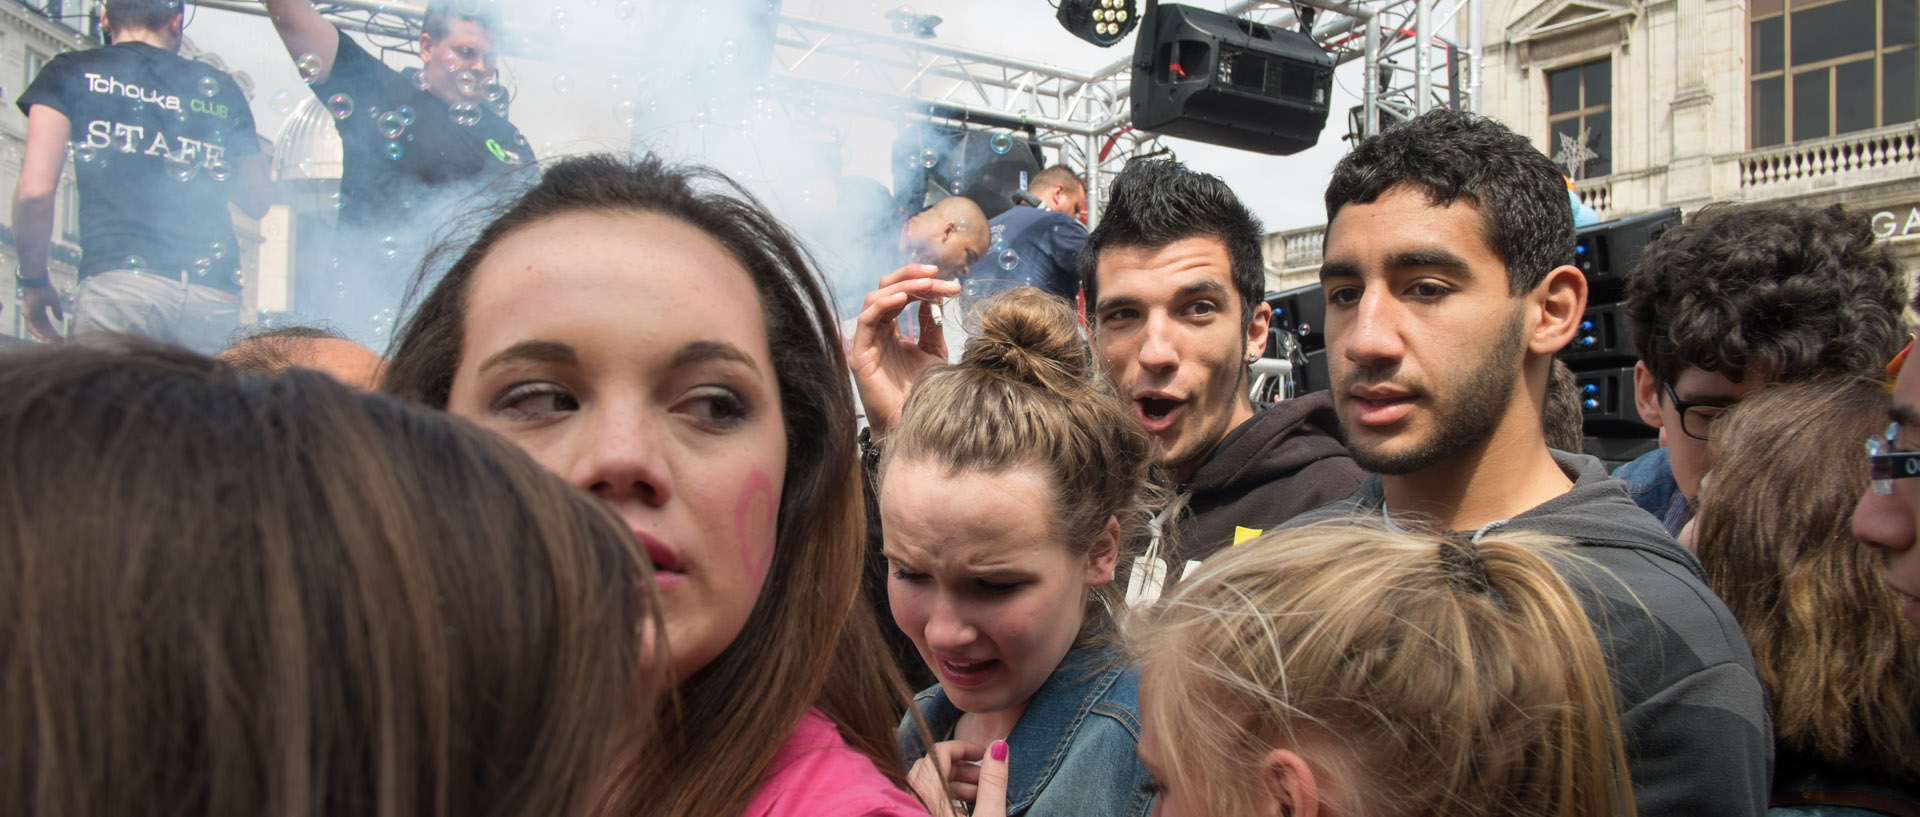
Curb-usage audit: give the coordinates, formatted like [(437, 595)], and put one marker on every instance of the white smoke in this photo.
[(696, 82)]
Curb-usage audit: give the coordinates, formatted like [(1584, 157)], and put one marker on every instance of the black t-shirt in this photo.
[(405, 153), (154, 137), (1033, 247)]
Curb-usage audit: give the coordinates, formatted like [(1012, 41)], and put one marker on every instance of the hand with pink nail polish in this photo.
[(992, 798)]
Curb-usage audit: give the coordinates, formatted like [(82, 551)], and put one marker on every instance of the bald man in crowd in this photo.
[(306, 347), (950, 234)]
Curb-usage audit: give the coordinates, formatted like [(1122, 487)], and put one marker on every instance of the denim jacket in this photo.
[(1071, 754), (1651, 485)]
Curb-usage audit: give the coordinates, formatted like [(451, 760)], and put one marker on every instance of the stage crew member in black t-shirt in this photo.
[(411, 137), (160, 145)]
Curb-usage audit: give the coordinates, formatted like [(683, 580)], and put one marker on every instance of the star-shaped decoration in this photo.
[(1574, 153)]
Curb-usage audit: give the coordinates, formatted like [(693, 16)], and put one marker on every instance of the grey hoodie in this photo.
[(1698, 733)]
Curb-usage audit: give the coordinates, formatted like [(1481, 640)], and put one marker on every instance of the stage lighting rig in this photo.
[(905, 21), (1101, 22)]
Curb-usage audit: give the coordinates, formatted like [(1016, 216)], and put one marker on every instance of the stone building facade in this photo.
[(1678, 103)]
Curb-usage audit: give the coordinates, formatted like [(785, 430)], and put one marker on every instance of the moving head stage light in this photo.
[(1205, 76), (1101, 22)]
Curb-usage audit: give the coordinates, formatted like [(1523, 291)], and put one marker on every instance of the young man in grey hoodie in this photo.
[(1448, 292)]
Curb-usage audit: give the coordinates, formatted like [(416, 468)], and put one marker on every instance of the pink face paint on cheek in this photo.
[(754, 518)]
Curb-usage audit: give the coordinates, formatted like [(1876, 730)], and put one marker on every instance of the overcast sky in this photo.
[(568, 108)]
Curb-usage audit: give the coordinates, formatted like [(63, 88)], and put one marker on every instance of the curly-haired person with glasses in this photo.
[(1739, 299)]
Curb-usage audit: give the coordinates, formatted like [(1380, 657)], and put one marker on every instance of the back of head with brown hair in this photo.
[(1422, 675), (1025, 395), (1775, 535), (239, 594), (1561, 417)]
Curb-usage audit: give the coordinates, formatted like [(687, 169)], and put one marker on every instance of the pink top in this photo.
[(816, 774)]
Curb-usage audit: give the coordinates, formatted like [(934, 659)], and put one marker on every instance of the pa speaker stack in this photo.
[(1302, 315), (1205, 76), (1601, 354), (986, 166)]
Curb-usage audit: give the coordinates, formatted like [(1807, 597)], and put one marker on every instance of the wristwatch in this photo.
[(32, 283), (869, 451)]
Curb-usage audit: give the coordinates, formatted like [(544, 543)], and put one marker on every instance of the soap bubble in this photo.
[(728, 50), (84, 153), (283, 103), (219, 170), (465, 114), (495, 92), (133, 262), (1009, 259), (1001, 143), (420, 80), (562, 83), (961, 225), (209, 87), (467, 82), (624, 9), (956, 188), (219, 251), (700, 119), (391, 125), (928, 158), (338, 202), (309, 67), (183, 169), (390, 246), (561, 19), (341, 105), (624, 111), (406, 115), (394, 151), (200, 266)]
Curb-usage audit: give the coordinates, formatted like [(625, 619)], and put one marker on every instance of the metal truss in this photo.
[(1408, 68), (1085, 116)]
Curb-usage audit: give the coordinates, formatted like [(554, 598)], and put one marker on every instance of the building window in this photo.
[(1820, 68), (1580, 118), (34, 61), (69, 211)]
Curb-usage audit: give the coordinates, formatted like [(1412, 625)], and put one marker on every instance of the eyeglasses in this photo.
[(1885, 465), (1696, 418)]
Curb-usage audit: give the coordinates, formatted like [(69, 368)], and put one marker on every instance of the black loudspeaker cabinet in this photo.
[(1302, 312), (986, 166), (1605, 252), (1603, 336), (1606, 402), (1315, 378), (1205, 76)]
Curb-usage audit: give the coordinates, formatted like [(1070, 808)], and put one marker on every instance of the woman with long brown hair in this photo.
[(1774, 531), (232, 594), (652, 335)]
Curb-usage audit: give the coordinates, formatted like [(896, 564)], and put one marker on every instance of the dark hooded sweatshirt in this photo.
[(1287, 460), (1694, 717)]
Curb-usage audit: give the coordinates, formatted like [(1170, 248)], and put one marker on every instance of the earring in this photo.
[(1251, 358)]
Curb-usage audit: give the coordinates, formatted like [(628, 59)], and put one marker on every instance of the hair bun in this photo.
[(1031, 336)]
